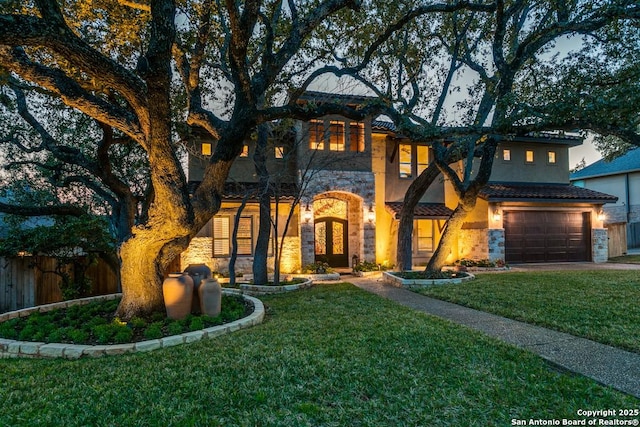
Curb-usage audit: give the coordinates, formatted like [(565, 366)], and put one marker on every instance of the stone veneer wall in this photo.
[(473, 244), (201, 248), (496, 244), (362, 240), (599, 244)]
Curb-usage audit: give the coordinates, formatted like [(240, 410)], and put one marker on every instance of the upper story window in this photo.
[(412, 160), (316, 135), (506, 155), (422, 158), (404, 161), (551, 157), (279, 152), (206, 149), (528, 156), (245, 151), (336, 135)]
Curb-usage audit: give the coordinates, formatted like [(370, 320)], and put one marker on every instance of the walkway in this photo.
[(608, 365)]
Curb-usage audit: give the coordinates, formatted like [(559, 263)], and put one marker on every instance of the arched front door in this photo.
[(331, 241)]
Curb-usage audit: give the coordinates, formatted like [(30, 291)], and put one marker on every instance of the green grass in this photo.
[(330, 356), (626, 259), (599, 305)]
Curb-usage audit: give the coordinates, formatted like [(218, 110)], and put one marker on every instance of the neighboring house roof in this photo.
[(422, 210), (495, 192), (630, 162)]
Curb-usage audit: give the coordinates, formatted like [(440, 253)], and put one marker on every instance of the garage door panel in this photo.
[(547, 236)]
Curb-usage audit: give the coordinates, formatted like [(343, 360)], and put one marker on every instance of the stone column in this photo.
[(496, 244), (599, 244)]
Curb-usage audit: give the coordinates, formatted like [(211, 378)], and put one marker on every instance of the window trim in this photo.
[(552, 157), (506, 154)]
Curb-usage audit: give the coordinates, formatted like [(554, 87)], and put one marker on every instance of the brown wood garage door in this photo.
[(547, 236)]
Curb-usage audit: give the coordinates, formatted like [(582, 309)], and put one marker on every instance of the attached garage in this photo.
[(535, 223), (547, 236)]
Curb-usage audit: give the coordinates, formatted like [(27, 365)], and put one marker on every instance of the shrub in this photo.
[(318, 268), (175, 328), (196, 324), (154, 331)]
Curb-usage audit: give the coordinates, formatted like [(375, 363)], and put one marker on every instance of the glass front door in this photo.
[(331, 242)]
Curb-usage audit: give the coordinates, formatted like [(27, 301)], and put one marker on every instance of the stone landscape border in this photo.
[(28, 349), (392, 279), (249, 289)]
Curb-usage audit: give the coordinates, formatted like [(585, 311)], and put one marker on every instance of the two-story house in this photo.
[(352, 177)]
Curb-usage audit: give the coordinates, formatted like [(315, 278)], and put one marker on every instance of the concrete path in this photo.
[(608, 365)]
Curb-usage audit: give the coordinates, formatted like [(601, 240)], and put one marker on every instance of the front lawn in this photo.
[(599, 305), (333, 355), (626, 259)]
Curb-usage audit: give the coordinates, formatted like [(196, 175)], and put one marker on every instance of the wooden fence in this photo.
[(617, 239), (26, 282)]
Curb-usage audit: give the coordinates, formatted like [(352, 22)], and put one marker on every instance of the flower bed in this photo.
[(16, 348), (412, 279)]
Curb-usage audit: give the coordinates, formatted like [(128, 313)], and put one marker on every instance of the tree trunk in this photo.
[(260, 272), (449, 236), (404, 255)]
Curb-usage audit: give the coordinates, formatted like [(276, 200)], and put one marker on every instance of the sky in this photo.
[(586, 151)]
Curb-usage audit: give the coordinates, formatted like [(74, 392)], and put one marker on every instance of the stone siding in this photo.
[(473, 244), (496, 244), (200, 251), (600, 244)]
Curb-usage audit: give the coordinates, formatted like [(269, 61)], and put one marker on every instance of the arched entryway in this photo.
[(331, 231)]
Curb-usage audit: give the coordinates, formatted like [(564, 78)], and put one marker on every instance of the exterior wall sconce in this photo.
[(371, 215), (601, 215), (497, 215), (307, 215)]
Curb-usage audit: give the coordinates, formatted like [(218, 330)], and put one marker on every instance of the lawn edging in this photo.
[(250, 289), (392, 279), (29, 349)]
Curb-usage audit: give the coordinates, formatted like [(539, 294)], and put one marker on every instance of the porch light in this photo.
[(307, 214), (497, 215), (371, 215), (601, 215)]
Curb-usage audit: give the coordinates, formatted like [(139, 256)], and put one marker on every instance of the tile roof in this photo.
[(423, 210), (546, 192), (629, 162), (237, 190)]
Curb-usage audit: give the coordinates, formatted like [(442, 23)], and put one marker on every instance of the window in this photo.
[(245, 151), (245, 236), (528, 156), (339, 135), (404, 161), (206, 149), (551, 157), (425, 235), (221, 236), (412, 159), (279, 152), (316, 135), (336, 136), (506, 155), (422, 158), (222, 226), (356, 137)]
